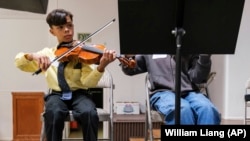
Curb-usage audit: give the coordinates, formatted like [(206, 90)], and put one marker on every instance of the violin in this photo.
[(88, 54)]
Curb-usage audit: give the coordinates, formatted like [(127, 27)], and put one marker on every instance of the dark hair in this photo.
[(58, 17)]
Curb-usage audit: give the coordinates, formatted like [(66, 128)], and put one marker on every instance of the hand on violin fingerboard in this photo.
[(108, 56)]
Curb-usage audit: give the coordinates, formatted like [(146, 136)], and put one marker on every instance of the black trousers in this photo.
[(83, 109)]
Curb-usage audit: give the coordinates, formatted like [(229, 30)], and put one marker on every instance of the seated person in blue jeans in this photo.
[(195, 108)]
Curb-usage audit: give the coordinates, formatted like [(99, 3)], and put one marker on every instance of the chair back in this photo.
[(106, 81), (247, 85)]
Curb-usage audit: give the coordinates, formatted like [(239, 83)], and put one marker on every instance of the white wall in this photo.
[(227, 90), (28, 32), (19, 31)]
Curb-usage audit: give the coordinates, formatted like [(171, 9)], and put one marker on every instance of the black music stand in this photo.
[(179, 27), (34, 6)]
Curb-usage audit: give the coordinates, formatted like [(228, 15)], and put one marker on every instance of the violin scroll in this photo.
[(127, 61)]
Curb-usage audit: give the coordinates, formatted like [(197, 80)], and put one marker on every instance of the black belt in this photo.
[(76, 91)]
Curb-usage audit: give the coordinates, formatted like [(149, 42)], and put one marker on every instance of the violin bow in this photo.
[(75, 46)]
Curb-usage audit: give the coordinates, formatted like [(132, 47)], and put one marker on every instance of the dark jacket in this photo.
[(162, 69)]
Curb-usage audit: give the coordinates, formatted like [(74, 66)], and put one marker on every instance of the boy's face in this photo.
[(64, 33)]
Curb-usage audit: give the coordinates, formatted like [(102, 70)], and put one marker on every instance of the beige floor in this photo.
[(232, 122)]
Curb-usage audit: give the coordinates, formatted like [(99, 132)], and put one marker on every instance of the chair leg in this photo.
[(149, 124), (148, 113), (43, 135), (150, 127), (245, 120), (111, 136), (146, 126)]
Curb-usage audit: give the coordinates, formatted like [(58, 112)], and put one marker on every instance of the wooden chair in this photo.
[(106, 82)]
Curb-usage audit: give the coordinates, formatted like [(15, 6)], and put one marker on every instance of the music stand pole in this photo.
[(178, 32)]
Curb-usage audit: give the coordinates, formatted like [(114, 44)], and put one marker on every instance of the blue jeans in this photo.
[(195, 108)]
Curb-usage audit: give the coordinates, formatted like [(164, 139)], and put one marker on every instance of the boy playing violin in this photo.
[(71, 92)]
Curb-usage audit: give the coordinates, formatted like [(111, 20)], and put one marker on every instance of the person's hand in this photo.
[(127, 60), (42, 60), (108, 56), (204, 58)]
